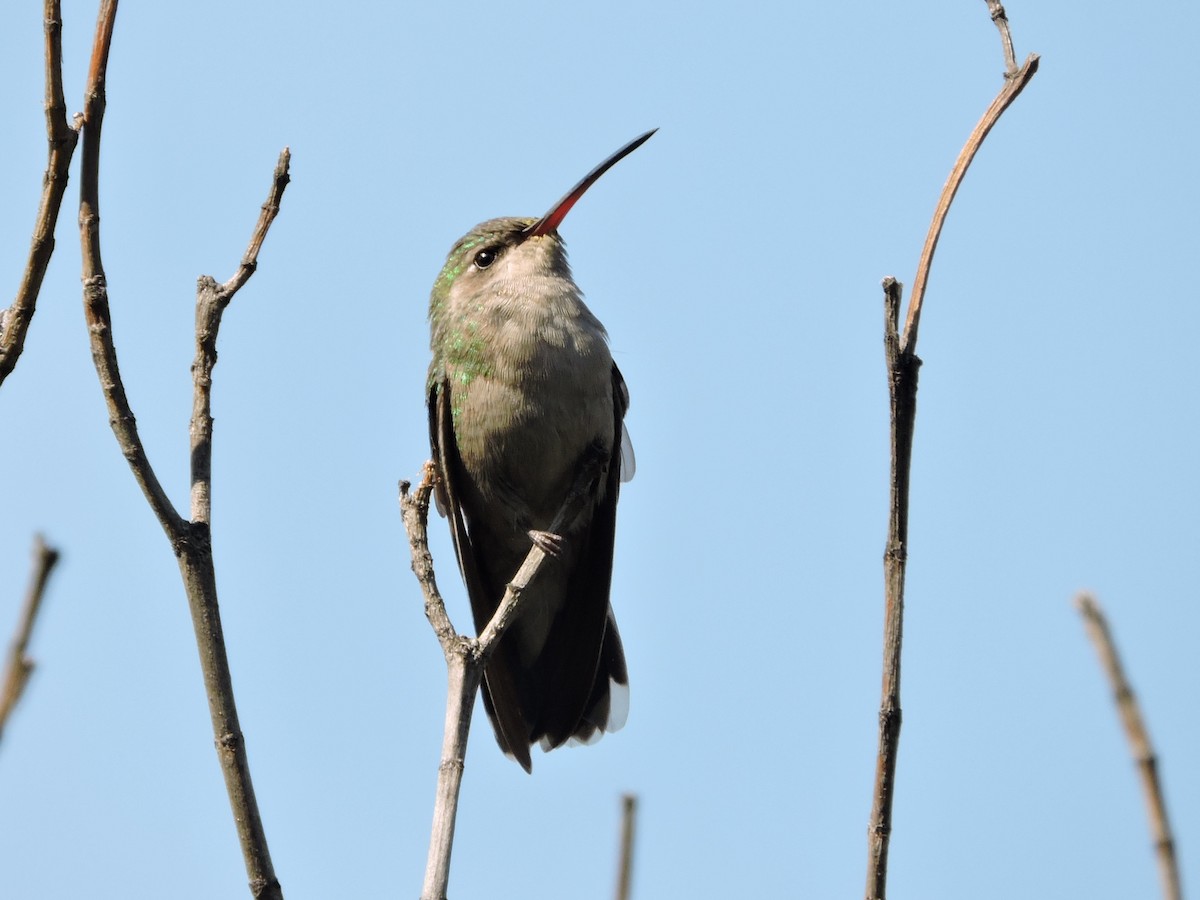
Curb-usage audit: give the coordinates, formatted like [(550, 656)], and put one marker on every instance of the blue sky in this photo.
[(735, 260)]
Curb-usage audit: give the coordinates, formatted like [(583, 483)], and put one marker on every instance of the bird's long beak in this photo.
[(559, 210)]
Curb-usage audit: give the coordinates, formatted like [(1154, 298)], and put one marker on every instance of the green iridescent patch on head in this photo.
[(456, 261), (507, 231), (455, 264)]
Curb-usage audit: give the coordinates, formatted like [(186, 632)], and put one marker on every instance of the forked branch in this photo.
[(211, 301), (902, 369), (466, 657), (190, 538), (1014, 84)]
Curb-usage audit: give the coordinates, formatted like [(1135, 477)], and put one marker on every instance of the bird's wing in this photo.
[(500, 690), (621, 403), (583, 657)]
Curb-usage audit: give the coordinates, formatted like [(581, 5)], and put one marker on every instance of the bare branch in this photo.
[(464, 674), (466, 657), (196, 563), (1015, 82), (1000, 17), (415, 512), (625, 862), (1139, 743), (19, 666), (95, 287), (211, 301), (62, 138), (191, 541), (903, 366), (270, 209)]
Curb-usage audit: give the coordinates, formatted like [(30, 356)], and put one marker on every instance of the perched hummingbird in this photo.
[(523, 390)]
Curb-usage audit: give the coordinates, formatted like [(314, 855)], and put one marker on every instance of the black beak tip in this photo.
[(552, 219)]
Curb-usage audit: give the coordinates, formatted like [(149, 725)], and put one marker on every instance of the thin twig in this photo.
[(62, 138), (191, 540), (19, 665), (211, 301), (95, 286), (466, 657), (1015, 81), (1000, 17), (415, 511), (903, 366), (625, 861), (1139, 743)]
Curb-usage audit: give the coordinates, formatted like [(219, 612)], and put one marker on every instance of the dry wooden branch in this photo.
[(1013, 86), (1000, 17), (1139, 743), (466, 657), (211, 301), (62, 138), (95, 287), (19, 665), (625, 861), (902, 368), (190, 539)]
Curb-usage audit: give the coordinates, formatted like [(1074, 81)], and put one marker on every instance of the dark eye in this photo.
[(485, 257)]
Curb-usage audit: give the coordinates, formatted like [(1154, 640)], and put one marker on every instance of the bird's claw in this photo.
[(547, 541)]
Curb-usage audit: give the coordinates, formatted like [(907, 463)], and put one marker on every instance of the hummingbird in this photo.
[(522, 393)]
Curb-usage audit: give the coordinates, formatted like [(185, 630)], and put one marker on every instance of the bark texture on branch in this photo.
[(466, 657), (1144, 757), (903, 364), (190, 538), (62, 139)]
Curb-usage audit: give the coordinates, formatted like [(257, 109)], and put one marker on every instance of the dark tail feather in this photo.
[(507, 693), (608, 704), (502, 701)]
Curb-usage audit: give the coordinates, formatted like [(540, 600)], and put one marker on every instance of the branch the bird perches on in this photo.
[(466, 657)]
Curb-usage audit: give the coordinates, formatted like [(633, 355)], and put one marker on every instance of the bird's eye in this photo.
[(485, 257)]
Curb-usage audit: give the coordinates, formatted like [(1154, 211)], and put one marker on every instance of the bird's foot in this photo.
[(547, 541)]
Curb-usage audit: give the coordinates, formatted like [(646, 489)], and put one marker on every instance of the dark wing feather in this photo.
[(583, 651), (500, 697)]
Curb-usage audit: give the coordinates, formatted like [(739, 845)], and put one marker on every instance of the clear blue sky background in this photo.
[(736, 261)]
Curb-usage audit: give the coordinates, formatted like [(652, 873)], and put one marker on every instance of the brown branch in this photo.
[(62, 138), (1000, 17), (415, 511), (19, 666), (191, 540), (903, 366), (466, 657), (625, 861), (1015, 81), (95, 286), (211, 301), (1144, 757)]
